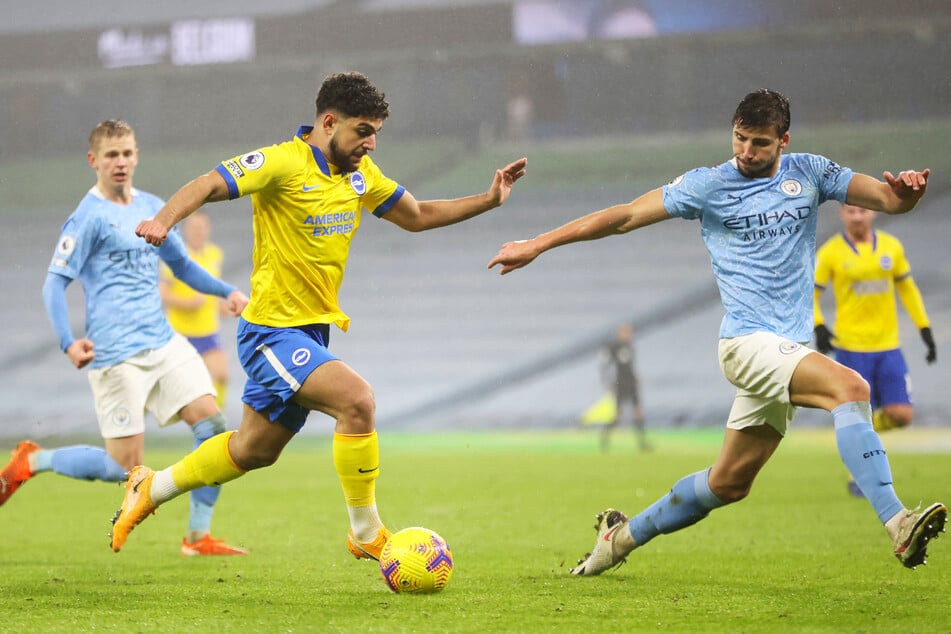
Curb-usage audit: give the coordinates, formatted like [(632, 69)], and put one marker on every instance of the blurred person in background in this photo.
[(758, 214), (195, 315), (620, 378), (307, 197), (866, 267), (137, 363)]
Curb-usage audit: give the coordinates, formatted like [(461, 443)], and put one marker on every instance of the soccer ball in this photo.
[(416, 560)]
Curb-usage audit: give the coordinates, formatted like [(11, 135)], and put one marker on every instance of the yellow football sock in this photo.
[(357, 461), (882, 421), (208, 465), (222, 390)]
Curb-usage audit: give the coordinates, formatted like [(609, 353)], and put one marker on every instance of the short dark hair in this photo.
[(108, 129), (762, 108), (353, 95)]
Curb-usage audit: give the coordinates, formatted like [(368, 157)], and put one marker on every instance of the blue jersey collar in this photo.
[(305, 130), (854, 246)]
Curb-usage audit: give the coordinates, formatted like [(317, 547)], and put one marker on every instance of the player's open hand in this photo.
[(236, 302), (908, 185), (504, 179), (514, 255), (152, 232)]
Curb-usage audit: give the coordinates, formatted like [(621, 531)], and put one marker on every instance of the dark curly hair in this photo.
[(762, 108), (352, 95)]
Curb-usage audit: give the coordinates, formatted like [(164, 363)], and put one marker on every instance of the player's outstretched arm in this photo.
[(413, 215), (895, 195), (646, 210), (210, 187)]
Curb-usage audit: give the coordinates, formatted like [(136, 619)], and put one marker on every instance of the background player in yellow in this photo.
[(866, 267), (307, 196), (193, 314)]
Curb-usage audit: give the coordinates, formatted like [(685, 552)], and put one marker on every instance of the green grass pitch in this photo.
[(517, 509)]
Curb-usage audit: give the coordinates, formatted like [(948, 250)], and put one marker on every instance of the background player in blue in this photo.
[(757, 214), (137, 362)]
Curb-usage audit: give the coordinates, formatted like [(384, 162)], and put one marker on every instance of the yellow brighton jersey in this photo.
[(864, 278), (203, 321), (305, 214)]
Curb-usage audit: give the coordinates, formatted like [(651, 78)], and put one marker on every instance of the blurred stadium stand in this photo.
[(444, 342)]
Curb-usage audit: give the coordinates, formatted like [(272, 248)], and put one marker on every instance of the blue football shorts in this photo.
[(886, 373), (277, 361), (206, 343)]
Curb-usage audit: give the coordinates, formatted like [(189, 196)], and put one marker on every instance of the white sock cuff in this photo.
[(163, 486)]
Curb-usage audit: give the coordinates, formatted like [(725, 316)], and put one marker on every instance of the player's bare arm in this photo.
[(210, 187), (895, 195), (645, 210), (414, 215)]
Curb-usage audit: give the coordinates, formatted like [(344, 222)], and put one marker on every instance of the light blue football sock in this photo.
[(203, 498), (83, 462), (864, 456), (689, 501)]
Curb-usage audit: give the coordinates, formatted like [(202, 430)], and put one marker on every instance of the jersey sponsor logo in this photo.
[(791, 187), (252, 160), (886, 263), (232, 166), (788, 347), (358, 183), (300, 356), (66, 246), (142, 259), (767, 225), (332, 223), (309, 188), (870, 287)]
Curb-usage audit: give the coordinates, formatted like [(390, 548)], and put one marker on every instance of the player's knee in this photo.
[(359, 411), (731, 487), (732, 492), (255, 457), (852, 387), (899, 416)]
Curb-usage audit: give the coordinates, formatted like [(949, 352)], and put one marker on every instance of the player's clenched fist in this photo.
[(152, 232)]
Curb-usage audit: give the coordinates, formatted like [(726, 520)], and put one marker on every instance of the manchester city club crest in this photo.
[(788, 347), (791, 187)]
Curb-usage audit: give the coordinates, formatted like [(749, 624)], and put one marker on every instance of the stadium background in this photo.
[(445, 343)]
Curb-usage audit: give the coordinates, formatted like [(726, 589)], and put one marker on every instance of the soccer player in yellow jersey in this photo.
[(193, 314), (865, 268), (308, 195)]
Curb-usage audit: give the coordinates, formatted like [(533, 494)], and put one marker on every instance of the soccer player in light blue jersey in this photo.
[(137, 362), (757, 216)]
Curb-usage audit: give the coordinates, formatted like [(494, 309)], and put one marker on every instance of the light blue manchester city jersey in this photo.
[(761, 236), (119, 274)]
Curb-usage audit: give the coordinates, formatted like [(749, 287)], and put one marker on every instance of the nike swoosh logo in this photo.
[(610, 533), (312, 187), (362, 470)]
